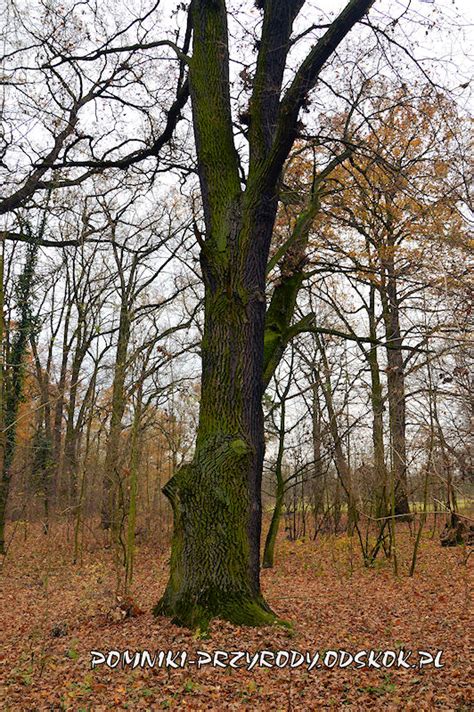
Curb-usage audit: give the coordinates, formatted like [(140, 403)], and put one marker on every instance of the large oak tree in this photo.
[(216, 499)]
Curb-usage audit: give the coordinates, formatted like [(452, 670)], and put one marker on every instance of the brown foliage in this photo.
[(54, 614)]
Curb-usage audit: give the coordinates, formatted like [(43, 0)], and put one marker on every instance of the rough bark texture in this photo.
[(215, 563), (216, 499)]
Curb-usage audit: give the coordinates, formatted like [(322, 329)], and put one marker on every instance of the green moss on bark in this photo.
[(210, 573)]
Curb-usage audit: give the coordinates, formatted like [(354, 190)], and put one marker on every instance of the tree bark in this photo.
[(269, 550), (112, 455), (70, 465), (12, 381), (216, 499), (395, 382), (4, 483), (58, 449), (340, 459), (377, 400)]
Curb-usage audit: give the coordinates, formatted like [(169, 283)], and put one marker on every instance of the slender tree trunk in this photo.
[(3, 481), (319, 478), (132, 509), (342, 466), (376, 395), (429, 462), (58, 449), (395, 385), (112, 455), (80, 514), (45, 437), (12, 385), (70, 464), (269, 550)]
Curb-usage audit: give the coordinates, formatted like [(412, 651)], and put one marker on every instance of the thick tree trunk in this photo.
[(216, 499)]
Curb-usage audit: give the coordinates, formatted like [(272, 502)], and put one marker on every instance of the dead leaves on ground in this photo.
[(53, 614)]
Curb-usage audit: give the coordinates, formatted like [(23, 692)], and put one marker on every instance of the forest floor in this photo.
[(52, 614)]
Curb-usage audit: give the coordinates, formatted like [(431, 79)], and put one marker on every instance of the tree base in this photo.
[(402, 510), (457, 532), (198, 615), (214, 566)]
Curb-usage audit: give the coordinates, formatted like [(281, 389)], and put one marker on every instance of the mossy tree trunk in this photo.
[(216, 499)]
